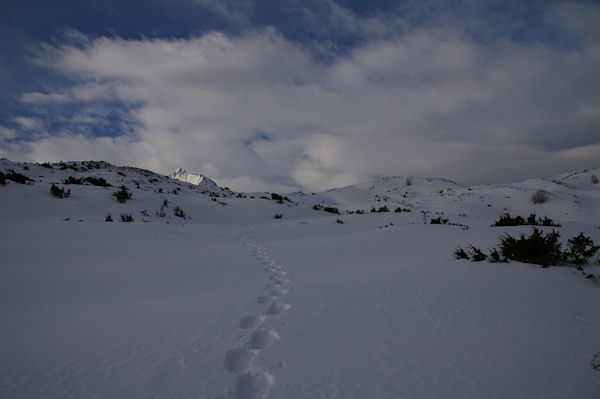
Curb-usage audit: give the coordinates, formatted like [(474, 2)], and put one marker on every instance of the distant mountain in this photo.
[(195, 179)]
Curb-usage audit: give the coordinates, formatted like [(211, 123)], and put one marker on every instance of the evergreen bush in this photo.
[(59, 192), (581, 249), (126, 217), (123, 195)]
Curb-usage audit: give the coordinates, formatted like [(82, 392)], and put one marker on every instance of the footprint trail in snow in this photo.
[(253, 381)]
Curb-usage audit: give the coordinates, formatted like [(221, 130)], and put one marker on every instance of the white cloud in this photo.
[(428, 101), (41, 98), (7, 134), (27, 123)]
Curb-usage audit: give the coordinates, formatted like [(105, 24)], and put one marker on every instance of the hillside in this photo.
[(324, 302)]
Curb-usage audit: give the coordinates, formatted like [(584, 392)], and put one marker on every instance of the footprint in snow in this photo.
[(249, 322), (263, 338), (253, 385), (279, 292), (277, 308), (239, 360)]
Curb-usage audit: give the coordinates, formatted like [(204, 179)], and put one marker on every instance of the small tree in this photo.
[(477, 255), (109, 218), (581, 249), (59, 192), (123, 194), (126, 217), (179, 212), (537, 248), (594, 179), (278, 216), (460, 253), (532, 219)]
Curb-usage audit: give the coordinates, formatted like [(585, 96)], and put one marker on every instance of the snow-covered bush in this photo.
[(539, 197)]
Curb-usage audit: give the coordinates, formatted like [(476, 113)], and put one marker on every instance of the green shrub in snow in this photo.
[(123, 195)]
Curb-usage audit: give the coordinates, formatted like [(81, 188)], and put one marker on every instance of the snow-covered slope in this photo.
[(195, 179), (230, 302)]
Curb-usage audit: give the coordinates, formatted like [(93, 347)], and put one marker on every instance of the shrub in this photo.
[(109, 218), (546, 221), (399, 210), (14, 176), (438, 220), (507, 220), (538, 248), (59, 192), (581, 249), (279, 198), (126, 217), (97, 181), (474, 254), (2, 179), (179, 212), (72, 180), (329, 209), (594, 179), (278, 216), (339, 221), (539, 197), (122, 195), (460, 253), (595, 362), (532, 220), (409, 181), (477, 255), (495, 256)]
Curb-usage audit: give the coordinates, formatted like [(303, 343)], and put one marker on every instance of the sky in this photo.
[(285, 95)]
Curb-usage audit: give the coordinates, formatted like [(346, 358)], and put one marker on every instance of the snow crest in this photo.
[(193, 178)]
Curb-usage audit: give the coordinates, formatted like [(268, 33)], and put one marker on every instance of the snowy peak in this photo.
[(193, 178)]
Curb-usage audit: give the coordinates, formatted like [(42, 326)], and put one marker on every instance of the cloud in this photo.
[(263, 110), (27, 123), (41, 98), (7, 134)]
